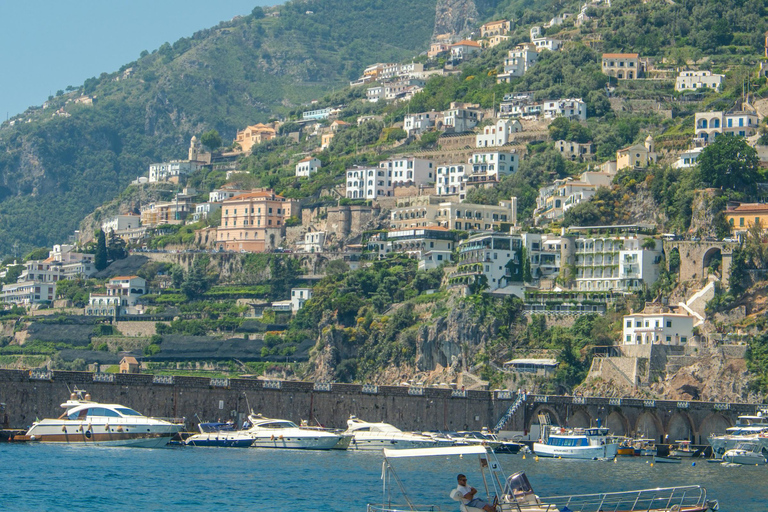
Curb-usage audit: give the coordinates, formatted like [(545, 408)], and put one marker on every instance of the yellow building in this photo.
[(624, 66), (255, 134), (495, 28), (743, 216), (637, 156), (254, 222)]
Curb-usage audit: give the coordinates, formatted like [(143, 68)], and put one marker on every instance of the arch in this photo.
[(554, 418), (579, 418), (715, 423), (712, 255), (648, 425), (673, 262), (680, 428), (617, 423)]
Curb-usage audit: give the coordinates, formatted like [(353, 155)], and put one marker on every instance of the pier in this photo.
[(31, 394)]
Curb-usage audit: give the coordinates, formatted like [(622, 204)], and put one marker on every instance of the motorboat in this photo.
[(578, 443), (644, 447), (486, 438), (625, 446), (748, 428), (375, 436), (277, 433), (751, 454), (667, 459), (515, 493), (684, 449), (220, 435), (87, 422)]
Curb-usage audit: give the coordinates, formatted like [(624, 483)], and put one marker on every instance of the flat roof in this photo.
[(540, 362)]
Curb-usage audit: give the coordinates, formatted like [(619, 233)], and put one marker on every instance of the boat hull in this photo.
[(296, 442), (154, 434), (402, 443), (147, 440), (221, 440), (606, 451)]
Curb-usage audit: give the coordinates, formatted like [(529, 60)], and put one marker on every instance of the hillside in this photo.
[(55, 169)]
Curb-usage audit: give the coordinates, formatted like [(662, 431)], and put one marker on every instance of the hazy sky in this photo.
[(46, 45)]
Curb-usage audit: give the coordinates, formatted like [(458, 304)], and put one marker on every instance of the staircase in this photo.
[(704, 294), (510, 412)]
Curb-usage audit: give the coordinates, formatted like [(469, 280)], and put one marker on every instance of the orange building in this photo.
[(254, 222), (745, 215), (255, 134)]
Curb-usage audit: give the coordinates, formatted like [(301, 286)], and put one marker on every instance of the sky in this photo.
[(46, 45)]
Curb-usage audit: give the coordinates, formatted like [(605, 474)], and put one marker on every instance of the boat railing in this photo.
[(171, 420), (391, 507), (633, 501)]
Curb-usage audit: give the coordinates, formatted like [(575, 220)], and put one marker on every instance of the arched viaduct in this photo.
[(662, 420), (696, 257)]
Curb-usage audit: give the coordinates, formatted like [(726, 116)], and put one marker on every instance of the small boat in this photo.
[(683, 449), (748, 428), (87, 422), (375, 436), (625, 446), (277, 433), (515, 493), (669, 459), (221, 435), (644, 447), (579, 443), (746, 453)]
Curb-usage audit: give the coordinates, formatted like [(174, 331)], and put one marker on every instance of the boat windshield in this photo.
[(278, 424), (127, 412), (102, 411), (517, 485)]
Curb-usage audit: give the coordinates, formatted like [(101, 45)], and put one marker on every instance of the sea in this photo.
[(43, 477)]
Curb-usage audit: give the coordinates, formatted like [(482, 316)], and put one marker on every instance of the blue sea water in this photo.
[(40, 477)]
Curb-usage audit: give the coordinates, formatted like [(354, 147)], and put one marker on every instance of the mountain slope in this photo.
[(56, 169)]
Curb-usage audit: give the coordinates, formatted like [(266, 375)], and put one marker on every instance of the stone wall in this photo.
[(131, 328)]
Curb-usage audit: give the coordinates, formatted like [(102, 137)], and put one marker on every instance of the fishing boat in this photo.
[(577, 443), (87, 422), (684, 449), (625, 446), (745, 453), (277, 433), (515, 493), (375, 436)]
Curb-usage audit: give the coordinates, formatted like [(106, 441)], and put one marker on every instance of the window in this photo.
[(683, 339), (629, 323), (669, 323)]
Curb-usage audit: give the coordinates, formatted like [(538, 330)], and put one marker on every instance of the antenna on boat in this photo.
[(247, 404)]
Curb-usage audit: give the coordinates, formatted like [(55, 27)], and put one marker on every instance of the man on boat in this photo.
[(468, 494)]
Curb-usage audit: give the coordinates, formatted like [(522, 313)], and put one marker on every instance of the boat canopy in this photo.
[(433, 452)]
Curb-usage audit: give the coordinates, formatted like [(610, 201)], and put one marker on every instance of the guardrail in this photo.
[(40, 375), (273, 384), (103, 377), (322, 386), (370, 389), (416, 391), (163, 379), (459, 393), (219, 383)]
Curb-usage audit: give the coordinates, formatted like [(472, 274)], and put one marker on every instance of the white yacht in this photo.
[(226, 436), (275, 433), (579, 443), (745, 453), (375, 436), (87, 422), (747, 428)]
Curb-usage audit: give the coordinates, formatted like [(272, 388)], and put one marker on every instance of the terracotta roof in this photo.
[(123, 277), (253, 195), (467, 42), (129, 360), (748, 207), (621, 55)]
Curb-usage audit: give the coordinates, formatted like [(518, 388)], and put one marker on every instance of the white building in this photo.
[(222, 194), (432, 246), (495, 163), (204, 210), (711, 124), (123, 293), (416, 124), (571, 108), (462, 216), (657, 329), (450, 180), (547, 43), (36, 284), (308, 166), (498, 134), (120, 222), (408, 170), (687, 158), (493, 260), (313, 242), (692, 80), (460, 118), (168, 171), (317, 114), (518, 61), (298, 297), (375, 93)]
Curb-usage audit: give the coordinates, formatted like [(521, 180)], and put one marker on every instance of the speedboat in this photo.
[(276, 433), (486, 438), (515, 493), (745, 453), (578, 443), (748, 428), (375, 436), (87, 422), (220, 435), (667, 459)]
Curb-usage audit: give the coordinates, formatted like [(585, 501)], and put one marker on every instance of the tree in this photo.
[(196, 282), (211, 140), (257, 12), (729, 163), (116, 247), (100, 259)]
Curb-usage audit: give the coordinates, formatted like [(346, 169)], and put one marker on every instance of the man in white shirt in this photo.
[(468, 494)]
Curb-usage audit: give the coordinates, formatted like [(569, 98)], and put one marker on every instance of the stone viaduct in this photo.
[(696, 257), (37, 394)]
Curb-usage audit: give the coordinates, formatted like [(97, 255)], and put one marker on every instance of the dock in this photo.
[(12, 436)]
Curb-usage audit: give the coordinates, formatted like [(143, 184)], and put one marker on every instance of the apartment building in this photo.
[(571, 108), (254, 222), (491, 260), (518, 62), (692, 80), (172, 171), (498, 134), (709, 125), (431, 246)]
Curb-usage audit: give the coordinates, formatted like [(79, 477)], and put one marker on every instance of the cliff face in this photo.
[(455, 18)]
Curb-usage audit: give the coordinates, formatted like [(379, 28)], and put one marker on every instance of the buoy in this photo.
[(615, 460), (693, 463), (537, 458), (651, 464), (523, 456)]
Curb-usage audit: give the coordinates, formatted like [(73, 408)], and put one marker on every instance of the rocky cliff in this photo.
[(455, 18)]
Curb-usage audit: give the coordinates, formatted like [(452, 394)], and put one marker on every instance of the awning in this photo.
[(433, 452)]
